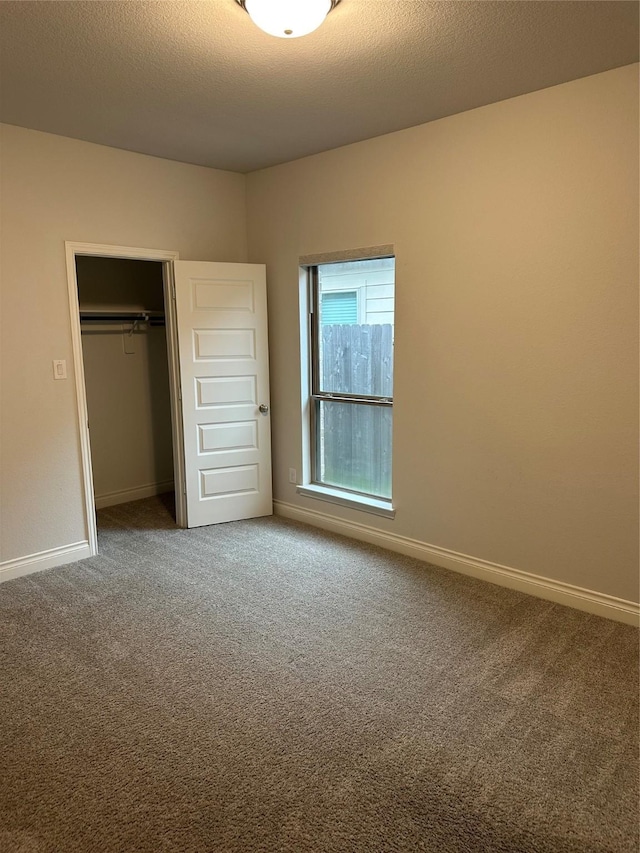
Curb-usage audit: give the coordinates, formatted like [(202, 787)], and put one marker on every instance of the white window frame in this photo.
[(313, 396)]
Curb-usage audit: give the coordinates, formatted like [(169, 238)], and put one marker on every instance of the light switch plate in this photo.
[(59, 368)]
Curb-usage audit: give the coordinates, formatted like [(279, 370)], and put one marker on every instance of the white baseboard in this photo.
[(135, 494), (11, 569), (541, 587)]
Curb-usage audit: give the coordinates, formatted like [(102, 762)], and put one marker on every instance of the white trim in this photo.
[(11, 569), (134, 494), (536, 585), (81, 397), (102, 250), (304, 461), (374, 506), (125, 252)]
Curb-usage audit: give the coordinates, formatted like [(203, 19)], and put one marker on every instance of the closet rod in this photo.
[(152, 317)]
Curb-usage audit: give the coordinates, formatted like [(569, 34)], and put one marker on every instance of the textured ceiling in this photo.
[(198, 82)]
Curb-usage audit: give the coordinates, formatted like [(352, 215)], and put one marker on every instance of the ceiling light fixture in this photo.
[(288, 19)]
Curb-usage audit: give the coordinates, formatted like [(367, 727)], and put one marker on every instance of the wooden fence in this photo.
[(355, 439)]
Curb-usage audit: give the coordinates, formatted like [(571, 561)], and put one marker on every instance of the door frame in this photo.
[(73, 250)]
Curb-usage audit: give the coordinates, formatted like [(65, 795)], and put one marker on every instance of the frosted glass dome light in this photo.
[(288, 19)]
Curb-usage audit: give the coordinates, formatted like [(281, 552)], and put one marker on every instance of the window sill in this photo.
[(375, 506)]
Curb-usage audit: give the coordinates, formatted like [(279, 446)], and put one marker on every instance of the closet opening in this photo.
[(127, 380)]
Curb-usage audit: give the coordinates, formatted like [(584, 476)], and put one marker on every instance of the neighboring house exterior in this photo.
[(354, 298)]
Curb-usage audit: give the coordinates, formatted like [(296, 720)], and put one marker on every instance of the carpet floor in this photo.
[(264, 686)]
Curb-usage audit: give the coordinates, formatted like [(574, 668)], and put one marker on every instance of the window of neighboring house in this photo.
[(339, 307), (352, 376)]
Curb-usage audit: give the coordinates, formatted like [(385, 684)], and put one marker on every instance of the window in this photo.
[(339, 307), (352, 376)]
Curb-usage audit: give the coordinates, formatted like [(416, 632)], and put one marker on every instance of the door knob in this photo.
[(263, 408)]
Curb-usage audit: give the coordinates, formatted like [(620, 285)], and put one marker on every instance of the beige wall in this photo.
[(515, 228), (127, 380), (516, 236), (56, 189)]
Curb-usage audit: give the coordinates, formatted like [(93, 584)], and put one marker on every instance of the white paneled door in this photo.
[(224, 374)]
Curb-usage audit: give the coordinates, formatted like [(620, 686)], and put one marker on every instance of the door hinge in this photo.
[(173, 290)]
